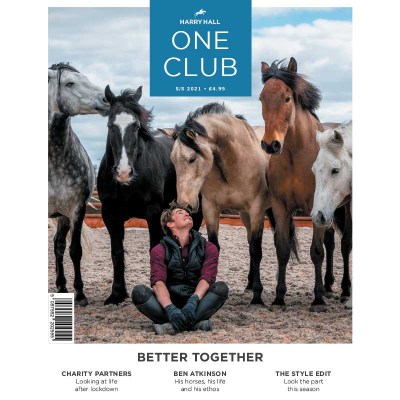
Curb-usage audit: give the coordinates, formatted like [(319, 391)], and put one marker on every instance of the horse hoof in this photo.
[(62, 290), (114, 299), (277, 307), (329, 295), (318, 308), (82, 302), (257, 301), (344, 298), (80, 299)]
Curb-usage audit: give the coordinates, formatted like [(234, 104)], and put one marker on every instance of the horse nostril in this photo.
[(276, 146), (321, 217)]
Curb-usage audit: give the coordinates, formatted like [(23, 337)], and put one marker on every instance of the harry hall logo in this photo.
[(200, 12), (197, 21)]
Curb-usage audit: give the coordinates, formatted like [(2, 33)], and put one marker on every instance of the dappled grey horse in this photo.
[(71, 174)]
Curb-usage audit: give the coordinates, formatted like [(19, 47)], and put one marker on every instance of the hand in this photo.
[(189, 310), (176, 318)]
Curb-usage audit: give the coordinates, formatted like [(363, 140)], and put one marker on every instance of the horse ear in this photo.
[(337, 139), (192, 135), (292, 65), (110, 97), (264, 67), (167, 131), (138, 94), (319, 137)]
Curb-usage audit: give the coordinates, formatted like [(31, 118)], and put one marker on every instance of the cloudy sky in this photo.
[(111, 46)]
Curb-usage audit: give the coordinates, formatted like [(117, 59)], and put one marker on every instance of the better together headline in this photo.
[(200, 357)]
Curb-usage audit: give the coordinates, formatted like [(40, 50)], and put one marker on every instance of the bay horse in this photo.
[(136, 178), (289, 103), (70, 172), (217, 154), (333, 178)]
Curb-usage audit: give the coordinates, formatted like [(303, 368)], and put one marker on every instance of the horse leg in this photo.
[(282, 245), (329, 242), (211, 216), (60, 241), (115, 227), (198, 216), (317, 257), (246, 222), (75, 252), (257, 215), (346, 247), (153, 214)]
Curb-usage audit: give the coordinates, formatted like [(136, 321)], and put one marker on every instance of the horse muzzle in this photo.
[(124, 176), (274, 148), (321, 220), (103, 107)]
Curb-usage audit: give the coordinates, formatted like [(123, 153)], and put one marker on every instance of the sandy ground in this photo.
[(236, 322)]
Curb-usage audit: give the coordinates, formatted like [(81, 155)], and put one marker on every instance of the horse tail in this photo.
[(86, 237), (86, 241), (293, 242), (271, 218)]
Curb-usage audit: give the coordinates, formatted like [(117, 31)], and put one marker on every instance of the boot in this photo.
[(164, 329), (204, 325)]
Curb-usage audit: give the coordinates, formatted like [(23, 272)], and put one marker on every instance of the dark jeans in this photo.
[(146, 302)]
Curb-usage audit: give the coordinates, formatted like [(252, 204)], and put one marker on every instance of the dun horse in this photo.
[(136, 178), (333, 178), (217, 154), (71, 174), (288, 108)]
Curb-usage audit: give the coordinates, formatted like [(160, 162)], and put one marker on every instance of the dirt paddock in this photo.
[(236, 322)]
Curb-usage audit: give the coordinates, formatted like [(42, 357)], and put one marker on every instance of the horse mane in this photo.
[(127, 99), (305, 93), (192, 125), (63, 65)]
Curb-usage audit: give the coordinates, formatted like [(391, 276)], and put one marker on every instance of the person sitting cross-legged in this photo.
[(183, 278)]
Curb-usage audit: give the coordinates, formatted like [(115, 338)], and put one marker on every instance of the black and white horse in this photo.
[(71, 174), (136, 178)]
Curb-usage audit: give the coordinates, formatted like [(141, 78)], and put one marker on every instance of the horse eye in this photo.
[(192, 159), (287, 99), (69, 84), (335, 171)]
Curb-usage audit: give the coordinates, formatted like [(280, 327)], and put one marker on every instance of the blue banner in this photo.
[(200, 48)]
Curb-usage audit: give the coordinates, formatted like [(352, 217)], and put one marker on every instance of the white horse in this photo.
[(333, 175), (71, 175)]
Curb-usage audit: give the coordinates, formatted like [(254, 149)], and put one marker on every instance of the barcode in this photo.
[(61, 318)]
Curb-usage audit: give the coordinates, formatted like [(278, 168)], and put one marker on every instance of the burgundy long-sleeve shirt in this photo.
[(158, 268)]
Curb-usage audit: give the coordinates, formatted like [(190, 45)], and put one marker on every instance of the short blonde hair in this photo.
[(166, 215)]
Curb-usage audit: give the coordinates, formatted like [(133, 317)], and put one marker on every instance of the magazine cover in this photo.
[(200, 199)]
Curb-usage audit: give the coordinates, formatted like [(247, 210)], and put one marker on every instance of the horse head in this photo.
[(284, 89), (333, 173), (72, 93), (192, 156), (125, 120)]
